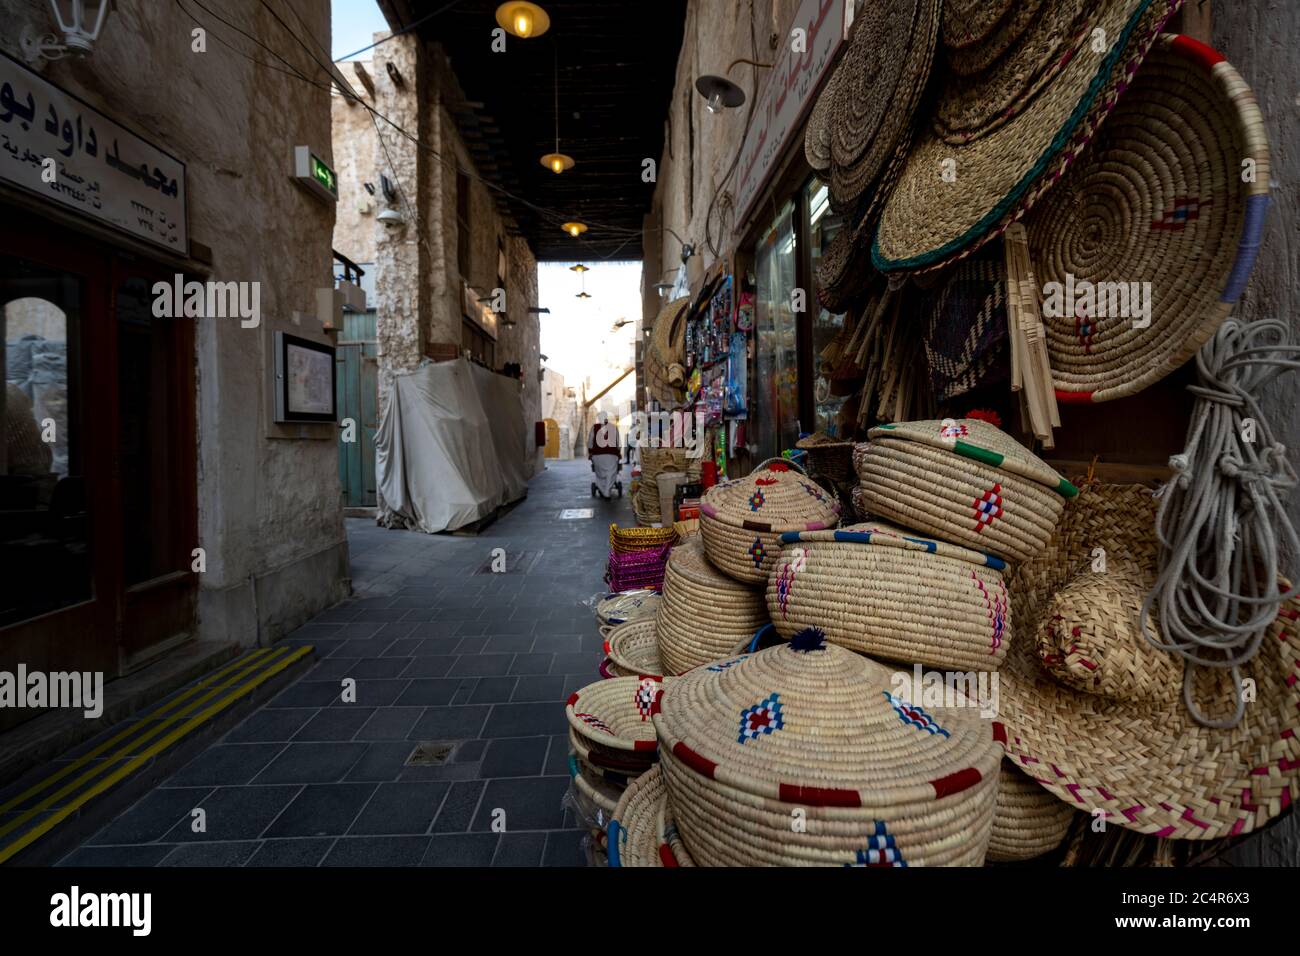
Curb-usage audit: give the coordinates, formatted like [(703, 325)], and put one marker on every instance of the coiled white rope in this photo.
[(1221, 521)]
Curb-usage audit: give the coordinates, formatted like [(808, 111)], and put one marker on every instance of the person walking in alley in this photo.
[(603, 450)]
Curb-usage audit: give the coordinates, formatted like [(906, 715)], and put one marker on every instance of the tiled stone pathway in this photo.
[(439, 653)]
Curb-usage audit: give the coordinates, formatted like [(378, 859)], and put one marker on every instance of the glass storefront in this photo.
[(820, 226), (775, 426)]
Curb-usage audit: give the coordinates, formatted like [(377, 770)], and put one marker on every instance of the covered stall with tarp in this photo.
[(452, 447)]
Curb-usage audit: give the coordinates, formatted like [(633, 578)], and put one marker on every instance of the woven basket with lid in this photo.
[(705, 615), (742, 520), (1028, 820), (798, 755), (885, 592), (964, 481)]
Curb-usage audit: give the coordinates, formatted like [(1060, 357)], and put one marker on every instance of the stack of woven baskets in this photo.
[(654, 462), (637, 557), (612, 741)]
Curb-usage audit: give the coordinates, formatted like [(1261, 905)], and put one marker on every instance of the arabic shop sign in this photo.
[(787, 96), (99, 168)]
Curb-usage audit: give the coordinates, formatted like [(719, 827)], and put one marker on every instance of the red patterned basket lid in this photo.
[(775, 497)]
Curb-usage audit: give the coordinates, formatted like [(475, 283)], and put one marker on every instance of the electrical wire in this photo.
[(547, 215), (1221, 521)]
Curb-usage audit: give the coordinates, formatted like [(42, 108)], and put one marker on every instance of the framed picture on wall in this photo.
[(304, 380)]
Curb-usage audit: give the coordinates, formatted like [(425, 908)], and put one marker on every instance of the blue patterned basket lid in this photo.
[(888, 536)]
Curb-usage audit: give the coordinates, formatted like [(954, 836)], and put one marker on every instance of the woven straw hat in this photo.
[(634, 648), (964, 481), (742, 520), (892, 595), (1158, 197), (883, 73), (1028, 821), (1124, 744), (705, 614), (999, 170), (794, 755), (667, 348), (968, 22)]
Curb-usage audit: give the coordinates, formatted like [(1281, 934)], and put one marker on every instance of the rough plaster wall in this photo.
[(717, 32), (355, 145), (402, 305), (1258, 38), (263, 504)]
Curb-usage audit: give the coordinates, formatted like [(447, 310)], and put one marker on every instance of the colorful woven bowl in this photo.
[(625, 540), (879, 590), (796, 755), (1028, 820), (634, 649), (615, 714), (705, 614), (742, 520), (964, 481)]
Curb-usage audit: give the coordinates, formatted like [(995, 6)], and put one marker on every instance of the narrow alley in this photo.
[(444, 652)]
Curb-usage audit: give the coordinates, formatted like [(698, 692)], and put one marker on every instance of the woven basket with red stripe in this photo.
[(801, 755)]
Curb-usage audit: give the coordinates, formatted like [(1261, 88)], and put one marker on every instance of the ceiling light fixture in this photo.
[(522, 19), (80, 22), (579, 268), (557, 162), (574, 229)]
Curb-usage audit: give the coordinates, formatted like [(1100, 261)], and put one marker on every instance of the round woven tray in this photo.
[(705, 614), (1142, 759), (982, 489), (1160, 187), (615, 714), (966, 22), (633, 648), (929, 221), (883, 73), (624, 540), (795, 755), (1028, 821), (620, 608), (741, 521), (892, 595)]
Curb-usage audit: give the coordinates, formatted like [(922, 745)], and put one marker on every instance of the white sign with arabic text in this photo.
[(99, 168)]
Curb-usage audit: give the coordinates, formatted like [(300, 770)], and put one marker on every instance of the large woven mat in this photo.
[(967, 22), (952, 197), (1144, 761), (1158, 197)]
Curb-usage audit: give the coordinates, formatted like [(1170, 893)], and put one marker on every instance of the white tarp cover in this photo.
[(451, 448)]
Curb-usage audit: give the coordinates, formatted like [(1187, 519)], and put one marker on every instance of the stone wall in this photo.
[(355, 146), (270, 516), (418, 281), (1257, 39), (699, 145)]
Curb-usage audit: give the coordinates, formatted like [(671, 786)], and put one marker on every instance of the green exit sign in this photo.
[(311, 172)]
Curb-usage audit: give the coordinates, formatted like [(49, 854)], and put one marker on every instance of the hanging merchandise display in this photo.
[(736, 401), (1145, 245), (1005, 134)]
